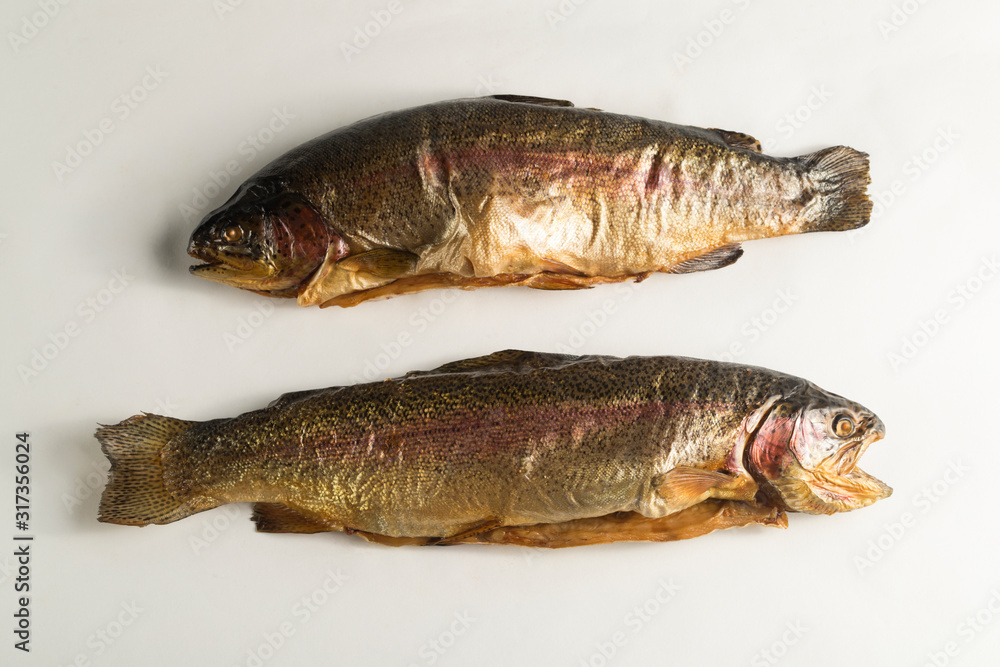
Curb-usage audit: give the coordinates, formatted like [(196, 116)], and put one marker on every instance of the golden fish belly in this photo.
[(639, 211)]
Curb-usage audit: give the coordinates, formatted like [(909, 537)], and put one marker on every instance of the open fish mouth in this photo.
[(846, 460), (839, 485)]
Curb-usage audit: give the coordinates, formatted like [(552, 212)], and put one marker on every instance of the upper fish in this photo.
[(514, 190)]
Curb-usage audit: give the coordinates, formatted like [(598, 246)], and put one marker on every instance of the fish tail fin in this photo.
[(136, 493), (841, 179)]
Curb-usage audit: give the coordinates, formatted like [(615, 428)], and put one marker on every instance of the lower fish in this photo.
[(515, 447), (514, 190)]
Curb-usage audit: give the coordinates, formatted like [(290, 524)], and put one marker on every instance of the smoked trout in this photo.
[(514, 190), (516, 447)]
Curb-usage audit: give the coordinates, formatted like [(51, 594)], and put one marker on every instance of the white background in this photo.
[(891, 584)]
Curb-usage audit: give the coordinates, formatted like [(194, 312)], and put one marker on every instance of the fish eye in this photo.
[(232, 233), (843, 426)]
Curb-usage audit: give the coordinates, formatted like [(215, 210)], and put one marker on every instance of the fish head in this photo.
[(807, 449), (268, 244)]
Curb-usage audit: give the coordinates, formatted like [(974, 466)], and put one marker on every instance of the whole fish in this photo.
[(516, 448), (514, 190)]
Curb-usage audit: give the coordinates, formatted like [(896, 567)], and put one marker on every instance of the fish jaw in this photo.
[(838, 486), (802, 474), (228, 269)]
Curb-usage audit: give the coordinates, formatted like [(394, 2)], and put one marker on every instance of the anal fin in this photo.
[(389, 541), (278, 518), (713, 259)]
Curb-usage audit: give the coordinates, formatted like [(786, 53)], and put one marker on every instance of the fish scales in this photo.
[(512, 439), (488, 151), (469, 193), (434, 446)]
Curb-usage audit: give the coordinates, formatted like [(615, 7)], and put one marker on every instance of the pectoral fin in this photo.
[(685, 486), (381, 262)]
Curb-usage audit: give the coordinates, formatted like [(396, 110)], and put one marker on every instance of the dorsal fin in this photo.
[(738, 139), (713, 259), (506, 360), (528, 99)]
